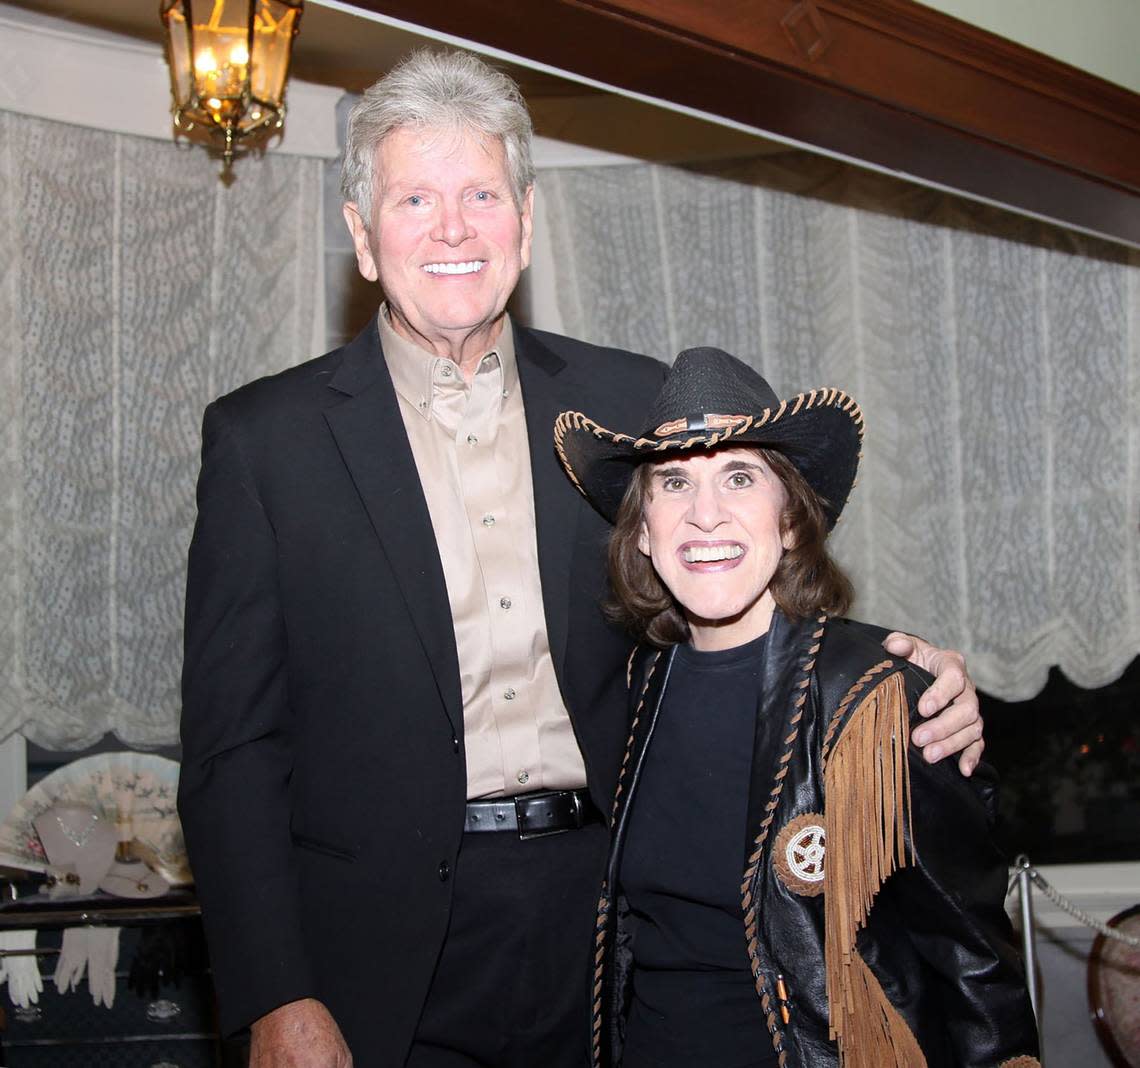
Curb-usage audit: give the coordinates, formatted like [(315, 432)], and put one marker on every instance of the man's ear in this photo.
[(365, 263), (526, 215)]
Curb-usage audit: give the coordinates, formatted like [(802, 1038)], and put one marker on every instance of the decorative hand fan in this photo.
[(135, 791)]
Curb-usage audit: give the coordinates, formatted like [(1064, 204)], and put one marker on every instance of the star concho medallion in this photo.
[(798, 854)]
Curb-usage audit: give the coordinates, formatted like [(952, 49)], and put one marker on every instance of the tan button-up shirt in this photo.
[(471, 451)]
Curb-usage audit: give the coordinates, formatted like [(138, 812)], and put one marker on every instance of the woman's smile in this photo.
[(711, 556)]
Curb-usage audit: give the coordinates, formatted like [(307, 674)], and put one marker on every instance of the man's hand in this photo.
[(959, 723), (300, 1034)]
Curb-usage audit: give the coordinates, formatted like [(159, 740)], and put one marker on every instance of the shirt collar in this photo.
[(414, 370)]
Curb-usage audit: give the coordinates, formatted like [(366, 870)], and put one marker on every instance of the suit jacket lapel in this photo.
[(364, 417), (556, 502)]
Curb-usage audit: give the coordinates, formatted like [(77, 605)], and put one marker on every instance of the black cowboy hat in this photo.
[(711, 399)]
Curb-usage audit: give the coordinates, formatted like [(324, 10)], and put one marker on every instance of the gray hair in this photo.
[(436, 90)]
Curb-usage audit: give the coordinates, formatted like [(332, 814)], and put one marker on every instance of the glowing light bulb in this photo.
[(204, 61), (239, 54)]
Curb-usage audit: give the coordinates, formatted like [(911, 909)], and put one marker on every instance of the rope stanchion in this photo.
[(1027, 873), (1025, 877)]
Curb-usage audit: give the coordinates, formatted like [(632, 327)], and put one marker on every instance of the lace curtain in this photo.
[(134, 288), (997, 361)]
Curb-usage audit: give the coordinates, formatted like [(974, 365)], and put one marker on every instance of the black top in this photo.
[(694, 1001)]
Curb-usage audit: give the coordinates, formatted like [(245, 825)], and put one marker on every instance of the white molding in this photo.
[(51, 69), (549, 153)]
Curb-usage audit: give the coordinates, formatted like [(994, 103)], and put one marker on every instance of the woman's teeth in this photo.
[(706, 554)]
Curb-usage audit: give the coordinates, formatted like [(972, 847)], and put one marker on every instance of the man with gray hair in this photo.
[(403, 710)]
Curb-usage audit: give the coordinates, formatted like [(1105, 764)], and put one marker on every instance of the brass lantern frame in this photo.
[(239, 97)]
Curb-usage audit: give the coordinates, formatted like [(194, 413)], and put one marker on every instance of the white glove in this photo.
[(23, 973), (102, 956), (72, 959)]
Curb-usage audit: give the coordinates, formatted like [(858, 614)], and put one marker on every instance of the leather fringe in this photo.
[(867, 789)]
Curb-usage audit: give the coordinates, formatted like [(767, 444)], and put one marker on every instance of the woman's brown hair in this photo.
[(807, 580)]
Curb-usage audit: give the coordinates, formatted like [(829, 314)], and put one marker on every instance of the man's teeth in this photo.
[(470, 267), (704, 554)]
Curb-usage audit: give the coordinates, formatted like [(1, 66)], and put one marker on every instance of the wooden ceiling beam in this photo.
[(885, 82)]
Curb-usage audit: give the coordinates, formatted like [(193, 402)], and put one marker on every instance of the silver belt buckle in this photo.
[(543, 833)]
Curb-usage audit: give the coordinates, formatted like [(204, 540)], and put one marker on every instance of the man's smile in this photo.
[(468, 267)]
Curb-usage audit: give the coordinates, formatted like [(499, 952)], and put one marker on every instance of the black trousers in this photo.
[(512, 986)]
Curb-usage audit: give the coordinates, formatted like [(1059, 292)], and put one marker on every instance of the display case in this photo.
[(163, 1014)]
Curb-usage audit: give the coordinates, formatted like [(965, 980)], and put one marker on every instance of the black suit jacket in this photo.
[(323, 781)]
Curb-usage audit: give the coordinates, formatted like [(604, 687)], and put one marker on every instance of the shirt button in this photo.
[(488, 520), (444, 871), (472, 439), (504, 602), (445, 370), (509, 693), (523, 777)]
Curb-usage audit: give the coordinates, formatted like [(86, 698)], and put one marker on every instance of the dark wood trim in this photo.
[(886, 82), (918, 61)]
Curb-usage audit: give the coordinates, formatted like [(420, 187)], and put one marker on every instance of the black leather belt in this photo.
[(533, 815)]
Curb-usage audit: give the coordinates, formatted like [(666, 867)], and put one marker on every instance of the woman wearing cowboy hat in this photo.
[(788, 885)]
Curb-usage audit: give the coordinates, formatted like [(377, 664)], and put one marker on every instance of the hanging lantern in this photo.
[(229, 61)]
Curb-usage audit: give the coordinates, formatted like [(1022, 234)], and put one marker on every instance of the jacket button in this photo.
[(444, 871), (454, 743)]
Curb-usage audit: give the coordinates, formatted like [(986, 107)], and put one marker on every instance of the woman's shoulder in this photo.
[(852, 661), (857, 680), (860, 682)]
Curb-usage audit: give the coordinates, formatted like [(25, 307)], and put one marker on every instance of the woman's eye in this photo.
[(673, 484), (415, 200), (482, 196), (739, 480)]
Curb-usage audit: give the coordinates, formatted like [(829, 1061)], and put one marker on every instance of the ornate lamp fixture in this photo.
[(229, 60)]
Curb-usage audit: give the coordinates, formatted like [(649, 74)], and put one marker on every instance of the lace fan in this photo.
[(135, 791)]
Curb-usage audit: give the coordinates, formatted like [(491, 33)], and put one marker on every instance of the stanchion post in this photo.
[(1028, 934)]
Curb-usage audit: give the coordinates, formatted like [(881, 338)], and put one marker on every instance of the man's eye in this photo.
[(739, 480), (673, 484), (483, 196), (415, 200)]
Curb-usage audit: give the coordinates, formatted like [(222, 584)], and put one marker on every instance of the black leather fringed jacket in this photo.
[(872, 894)]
